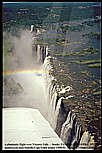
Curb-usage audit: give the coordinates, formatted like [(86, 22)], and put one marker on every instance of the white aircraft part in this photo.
[(27, 125)]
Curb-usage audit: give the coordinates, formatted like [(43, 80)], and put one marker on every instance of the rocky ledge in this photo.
[(73, 112)]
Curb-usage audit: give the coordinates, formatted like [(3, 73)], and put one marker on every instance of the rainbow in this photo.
[(22, 71)]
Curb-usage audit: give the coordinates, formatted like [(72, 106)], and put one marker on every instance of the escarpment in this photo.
[(65, 114)]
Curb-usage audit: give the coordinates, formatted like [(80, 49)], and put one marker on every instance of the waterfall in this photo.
[(67, 129), (52, 105), (77, 136), (86, 142), (59, 115), (32, 28), (63, 122)]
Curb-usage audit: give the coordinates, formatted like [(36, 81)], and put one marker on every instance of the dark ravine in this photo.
[(62, 119)]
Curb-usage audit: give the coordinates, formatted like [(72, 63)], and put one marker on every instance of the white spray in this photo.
[(30, 76)]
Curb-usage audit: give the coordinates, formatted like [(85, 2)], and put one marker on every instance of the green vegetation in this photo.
[(86, 73), (50, 41), (89, 23), (97, 93), (40, 42), (86, 51), (78, 27), (95, 65), (90, 50), (91, 63), (65, 54), (87, 61), (92, 35)]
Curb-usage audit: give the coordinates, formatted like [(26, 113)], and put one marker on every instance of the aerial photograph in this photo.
[(51, 75)]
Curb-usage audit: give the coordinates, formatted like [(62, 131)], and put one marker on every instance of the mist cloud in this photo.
[(33, 95)]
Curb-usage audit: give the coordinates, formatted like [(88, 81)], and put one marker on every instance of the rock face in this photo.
[(11, 87), (60, 117), (12, 90)]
